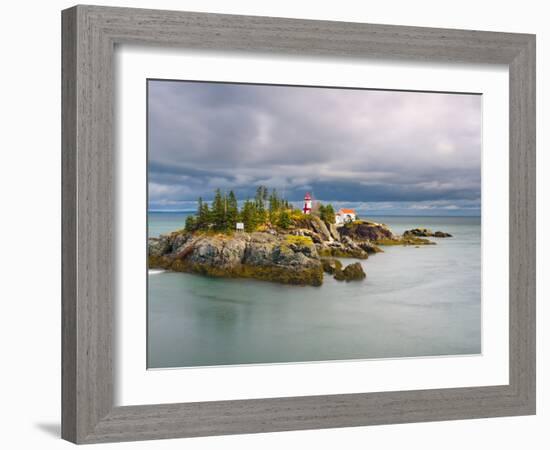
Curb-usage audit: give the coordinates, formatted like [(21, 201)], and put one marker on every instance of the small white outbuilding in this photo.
[(345, 215)]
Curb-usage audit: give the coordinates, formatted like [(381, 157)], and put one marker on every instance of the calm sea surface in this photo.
[(414, 302)]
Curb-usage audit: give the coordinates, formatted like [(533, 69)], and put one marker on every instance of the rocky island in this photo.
[(269, 240)]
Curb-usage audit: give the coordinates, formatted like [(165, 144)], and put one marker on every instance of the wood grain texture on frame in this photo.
[(89, 37)]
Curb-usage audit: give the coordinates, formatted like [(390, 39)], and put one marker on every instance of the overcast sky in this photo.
[(380, 151)]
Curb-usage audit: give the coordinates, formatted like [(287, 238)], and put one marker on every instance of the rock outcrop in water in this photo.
[(352, 272), (331, 265), (425, 232), (371, 235), (364, 230), (298, 255), (263, 256)]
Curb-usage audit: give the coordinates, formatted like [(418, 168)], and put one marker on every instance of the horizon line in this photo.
[(377, 214)]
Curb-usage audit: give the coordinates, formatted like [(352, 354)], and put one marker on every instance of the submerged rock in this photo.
[(352, 272)]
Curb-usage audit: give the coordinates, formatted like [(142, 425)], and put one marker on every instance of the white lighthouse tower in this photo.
[(307, 204)]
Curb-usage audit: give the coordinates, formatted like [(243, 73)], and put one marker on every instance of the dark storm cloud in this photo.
[(347, 146)]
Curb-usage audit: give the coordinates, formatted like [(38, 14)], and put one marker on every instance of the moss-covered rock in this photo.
[(301, 241), (316, 239), (263, 256), (342, 252), (159, 262), (334, 231), (346, 248), (425, 232), (370, 247), (364, 230), (352, 272), (405, 240), (312, 223), (331, 265), (292, 256), (312, 276)]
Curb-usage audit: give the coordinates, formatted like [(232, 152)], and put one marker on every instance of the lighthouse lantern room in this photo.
[(307, 204)]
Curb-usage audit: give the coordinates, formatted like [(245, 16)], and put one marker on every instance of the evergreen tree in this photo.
[(326, 213), (320, 210), (330, 215), (284, 219), (232, 215), (223, 212), (206, 215), (274, 205), (190, 223), (200, 205), (203, 215), (219, 210), (249, 216), (259, 201)]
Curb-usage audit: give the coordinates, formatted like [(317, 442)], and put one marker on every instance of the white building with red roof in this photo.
[(345, 215)]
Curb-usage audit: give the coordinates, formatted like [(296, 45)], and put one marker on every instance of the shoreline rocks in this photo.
[(299, 255), (363, 230), (352, 272), (425, 232), (406, 241), (331, 265), (283, 259), (372, 235)]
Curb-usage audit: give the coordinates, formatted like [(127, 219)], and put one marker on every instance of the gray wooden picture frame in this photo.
[(89, 37)]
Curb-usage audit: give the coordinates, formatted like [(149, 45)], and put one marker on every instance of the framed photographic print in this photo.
[(277, 224)]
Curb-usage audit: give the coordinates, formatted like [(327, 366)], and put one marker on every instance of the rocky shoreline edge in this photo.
[(299, 256)]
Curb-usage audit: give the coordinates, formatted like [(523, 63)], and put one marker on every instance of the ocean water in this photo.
[(414, 302), (164, 222)]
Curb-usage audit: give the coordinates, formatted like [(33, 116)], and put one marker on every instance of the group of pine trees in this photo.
[(224, 213), (327, 214)]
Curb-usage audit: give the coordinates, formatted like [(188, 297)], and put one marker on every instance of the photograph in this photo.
[(302, 224), (275, 225)]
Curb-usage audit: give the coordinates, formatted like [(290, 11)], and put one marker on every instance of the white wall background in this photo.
[(30, 223)]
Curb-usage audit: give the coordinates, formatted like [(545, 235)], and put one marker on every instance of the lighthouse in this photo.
[(307, 204)]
